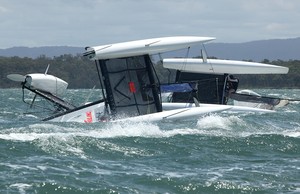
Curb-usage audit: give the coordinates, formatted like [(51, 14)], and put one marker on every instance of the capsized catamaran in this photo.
[(130, 86)]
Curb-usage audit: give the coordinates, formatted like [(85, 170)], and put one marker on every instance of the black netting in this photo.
[(255, 99), (209, 88), (128, 81)]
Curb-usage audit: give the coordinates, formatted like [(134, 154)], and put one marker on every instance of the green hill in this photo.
[(80, 72)]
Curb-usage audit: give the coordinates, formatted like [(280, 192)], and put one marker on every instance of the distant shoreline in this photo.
[(80, 72)]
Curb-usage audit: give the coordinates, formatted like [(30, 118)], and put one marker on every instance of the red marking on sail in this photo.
[(131, 87)]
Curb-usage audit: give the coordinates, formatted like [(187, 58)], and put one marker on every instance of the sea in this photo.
[(225, 152)]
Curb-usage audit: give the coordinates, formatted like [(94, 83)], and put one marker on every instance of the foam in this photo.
[(291, 133), (213, 124), (22, 187), (216, 121), (66, 138), (235, 126)]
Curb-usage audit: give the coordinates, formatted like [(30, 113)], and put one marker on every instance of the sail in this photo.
[(130, 86)]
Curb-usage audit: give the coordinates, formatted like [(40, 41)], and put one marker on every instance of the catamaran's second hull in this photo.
[(218, 66)]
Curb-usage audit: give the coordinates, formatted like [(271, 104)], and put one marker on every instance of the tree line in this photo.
[(81, 72)]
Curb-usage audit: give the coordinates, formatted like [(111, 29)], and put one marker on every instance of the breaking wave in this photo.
[(214, 124), (69, 138)]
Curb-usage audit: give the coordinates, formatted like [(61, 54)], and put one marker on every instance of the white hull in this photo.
[(172, 106), (142, 47), (95, 113), (177, 114), (89, 114), (172, 111), (217, 66)]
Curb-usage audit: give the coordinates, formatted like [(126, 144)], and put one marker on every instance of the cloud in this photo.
[(275, 27), (3, 9), (93, 22)]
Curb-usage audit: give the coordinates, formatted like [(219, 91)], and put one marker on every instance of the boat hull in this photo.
[(218, 66), (95, 113), (86, 114), (171, 106), (143, 47), (177, 114)]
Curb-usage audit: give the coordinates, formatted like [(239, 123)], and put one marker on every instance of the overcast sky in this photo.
[(94, 22)]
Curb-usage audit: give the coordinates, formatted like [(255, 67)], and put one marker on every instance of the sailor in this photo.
[(231, 87), (233, 83)]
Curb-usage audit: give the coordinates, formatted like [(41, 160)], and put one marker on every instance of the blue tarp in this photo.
[(185, 87)]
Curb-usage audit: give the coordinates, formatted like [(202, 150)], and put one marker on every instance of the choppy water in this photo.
[(218, 153)]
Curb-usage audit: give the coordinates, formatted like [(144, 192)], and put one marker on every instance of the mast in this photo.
[(109, 94), (153, 85)]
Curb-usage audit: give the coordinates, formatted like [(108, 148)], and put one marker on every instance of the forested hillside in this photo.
[(290, 80), (80, 72)]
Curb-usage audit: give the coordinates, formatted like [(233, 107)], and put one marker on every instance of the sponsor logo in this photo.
[(89, 117)]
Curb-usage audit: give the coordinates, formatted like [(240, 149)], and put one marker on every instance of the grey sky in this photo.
[(94, 22)]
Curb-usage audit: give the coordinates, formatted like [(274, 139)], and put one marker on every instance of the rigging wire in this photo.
[(184, 63)]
